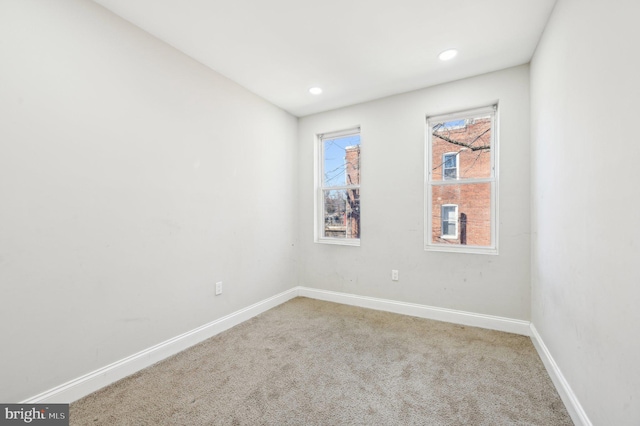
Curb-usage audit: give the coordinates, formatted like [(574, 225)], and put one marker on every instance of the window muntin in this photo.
[(461, 182), (338, 200)]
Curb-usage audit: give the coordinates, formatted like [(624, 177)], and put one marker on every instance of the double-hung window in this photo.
[(338, 187), (449, 221), (450, 165), (461, 182)]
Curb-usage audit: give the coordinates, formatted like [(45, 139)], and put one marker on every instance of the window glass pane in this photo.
[(450, 160), (341, 213), (450, 174), (448, 228), (449, 213), (341, 161), (471, 139), (453, 124), (473, 215)]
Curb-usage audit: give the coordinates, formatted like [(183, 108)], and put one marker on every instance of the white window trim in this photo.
[(457, 157), (493, 180), (319, 188), (442, 221)]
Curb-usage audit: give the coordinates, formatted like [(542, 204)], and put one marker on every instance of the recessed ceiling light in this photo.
[(315, 90), (448, 54)]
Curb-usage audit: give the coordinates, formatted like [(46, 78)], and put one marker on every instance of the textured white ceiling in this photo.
[(356, 50)]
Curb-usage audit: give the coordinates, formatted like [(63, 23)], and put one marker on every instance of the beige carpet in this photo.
[(308, 362)]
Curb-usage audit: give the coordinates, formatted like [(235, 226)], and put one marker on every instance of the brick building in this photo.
[(352, 216), (461, 212)]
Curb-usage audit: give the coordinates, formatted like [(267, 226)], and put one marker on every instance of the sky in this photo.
[(334, 153)]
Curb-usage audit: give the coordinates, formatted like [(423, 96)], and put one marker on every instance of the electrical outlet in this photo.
[(394, 275), (219, 288)]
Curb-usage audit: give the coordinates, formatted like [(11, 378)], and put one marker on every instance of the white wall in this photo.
[(392, 203), (585, 198), (131, 179)]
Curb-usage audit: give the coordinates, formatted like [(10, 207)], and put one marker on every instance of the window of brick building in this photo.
[(449, 217), (461, 182), (338, 188), (450, 165)]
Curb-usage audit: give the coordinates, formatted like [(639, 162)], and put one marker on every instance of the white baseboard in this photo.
[(91, 382), (422, 311), (569, 398)]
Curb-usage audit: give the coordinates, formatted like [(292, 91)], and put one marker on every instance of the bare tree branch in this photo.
[(466, 145)]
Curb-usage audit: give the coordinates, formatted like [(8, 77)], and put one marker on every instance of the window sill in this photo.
[(451, 248), (339, 241)]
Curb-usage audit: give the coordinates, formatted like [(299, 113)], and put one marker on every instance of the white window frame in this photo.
[(431, 181), (442, 221), (320, 188), (444, 162)]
